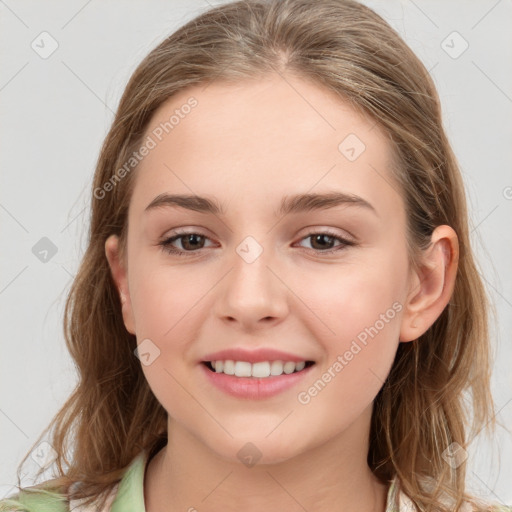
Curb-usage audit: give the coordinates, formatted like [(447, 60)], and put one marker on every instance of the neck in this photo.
[(187, 475)]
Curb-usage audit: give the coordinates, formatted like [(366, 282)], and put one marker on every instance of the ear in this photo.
[(120, 276), (432, 285)]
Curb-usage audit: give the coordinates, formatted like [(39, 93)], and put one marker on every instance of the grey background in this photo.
[(56, 111)]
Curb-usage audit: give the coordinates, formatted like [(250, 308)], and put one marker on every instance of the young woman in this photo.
[(278, 308)]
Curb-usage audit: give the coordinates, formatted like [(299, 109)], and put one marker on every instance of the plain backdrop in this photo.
[(56, 110)]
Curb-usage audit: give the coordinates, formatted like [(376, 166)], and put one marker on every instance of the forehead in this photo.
[(263, 139)]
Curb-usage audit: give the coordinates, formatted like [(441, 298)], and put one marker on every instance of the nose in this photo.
[(252, 294)]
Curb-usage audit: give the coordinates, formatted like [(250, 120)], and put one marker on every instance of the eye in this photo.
[(190, 242), (323, 242)]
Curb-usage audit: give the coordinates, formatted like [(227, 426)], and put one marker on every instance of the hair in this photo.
[(346, 48)]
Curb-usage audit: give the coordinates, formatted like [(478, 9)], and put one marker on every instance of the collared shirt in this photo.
[(128, 496)]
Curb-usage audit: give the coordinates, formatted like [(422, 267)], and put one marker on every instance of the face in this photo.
[(325, 284)]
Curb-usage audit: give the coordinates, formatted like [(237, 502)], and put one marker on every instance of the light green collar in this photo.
[(130, 492)]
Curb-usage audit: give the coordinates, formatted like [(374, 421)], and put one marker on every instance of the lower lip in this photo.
[(254, 388)]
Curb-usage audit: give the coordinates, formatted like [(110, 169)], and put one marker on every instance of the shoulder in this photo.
[(398, 501), (495, 507), (48, 499), (35, 499), (51, 495)]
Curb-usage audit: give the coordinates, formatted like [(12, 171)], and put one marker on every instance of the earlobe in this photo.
[(120, 277), (432, 285)]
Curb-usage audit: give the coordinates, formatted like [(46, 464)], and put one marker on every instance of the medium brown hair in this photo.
[(348, 49)]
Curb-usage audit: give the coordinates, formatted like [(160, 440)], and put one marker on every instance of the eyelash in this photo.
[(167, 247)]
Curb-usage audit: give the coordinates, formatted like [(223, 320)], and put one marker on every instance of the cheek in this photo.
[(363, 312), (357, 312), (165, 306), (346, 299), (163, 298)]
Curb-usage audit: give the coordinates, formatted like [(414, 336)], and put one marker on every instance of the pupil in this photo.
[(189, 239), (320, 237)]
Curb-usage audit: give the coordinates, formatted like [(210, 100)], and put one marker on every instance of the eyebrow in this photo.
[(289, 204)]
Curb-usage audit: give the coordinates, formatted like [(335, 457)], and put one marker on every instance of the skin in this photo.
[(248, 145)]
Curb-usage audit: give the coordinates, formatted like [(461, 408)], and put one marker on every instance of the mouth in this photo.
[(259, 370)]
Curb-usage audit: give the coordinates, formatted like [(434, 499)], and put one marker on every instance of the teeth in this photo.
[(259, 370), (300, 366), (243, 369)]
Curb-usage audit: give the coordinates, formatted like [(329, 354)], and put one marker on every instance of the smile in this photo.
[(255, 381), (262, 369)]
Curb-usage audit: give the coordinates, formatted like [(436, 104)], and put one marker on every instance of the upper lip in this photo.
[(253, 356)]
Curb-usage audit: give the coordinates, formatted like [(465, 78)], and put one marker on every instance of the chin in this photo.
[(257, 450)]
